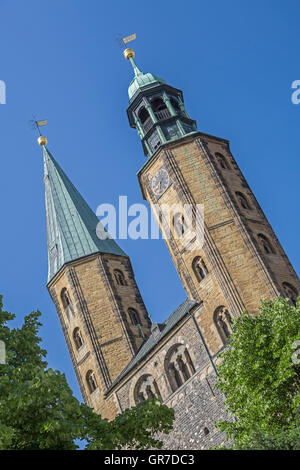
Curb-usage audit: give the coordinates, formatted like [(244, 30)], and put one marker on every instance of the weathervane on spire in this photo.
[(36, 125), (130, 38), (128, 53)]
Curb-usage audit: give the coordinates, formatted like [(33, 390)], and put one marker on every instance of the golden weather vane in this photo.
[(130, 38), (123, 43), (36, 125)]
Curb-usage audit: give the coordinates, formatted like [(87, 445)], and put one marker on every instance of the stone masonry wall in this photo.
[(99, 308), (197, 404)]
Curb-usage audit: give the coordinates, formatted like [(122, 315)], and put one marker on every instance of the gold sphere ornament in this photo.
[(42, 140), (129, 53)]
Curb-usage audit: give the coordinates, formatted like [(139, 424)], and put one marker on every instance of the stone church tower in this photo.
[(119, 356), (92, 285), (241, 259)]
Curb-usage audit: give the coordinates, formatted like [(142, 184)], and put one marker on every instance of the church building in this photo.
[(119, 355)]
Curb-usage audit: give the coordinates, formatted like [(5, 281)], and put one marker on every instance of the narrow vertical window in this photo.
[(77, 336), (145, 119), (199, 268), (119, 277), (134, 316), (265, 244), (222, 161), (223, 322), (66, 302), (91, 381), (179, 224), (290, 292), (242, 200)]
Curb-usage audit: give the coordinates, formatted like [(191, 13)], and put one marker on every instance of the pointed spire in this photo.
[(136, 70), (71, 223), (129, 54)]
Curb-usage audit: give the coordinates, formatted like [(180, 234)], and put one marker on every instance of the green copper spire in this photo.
[(71, 224), (141, 80)]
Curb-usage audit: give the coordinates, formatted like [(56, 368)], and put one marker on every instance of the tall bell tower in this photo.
[(241, 259), (92, 284)]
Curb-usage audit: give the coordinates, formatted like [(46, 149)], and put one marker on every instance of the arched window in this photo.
[(265, 244), (199, 268), (222, 161), (134, 316), (119, 276), (145, 119), (66, 301), (179, 224), (290, 292), (160, 109), (178, 366), (146, 389), (242, 200), (158, 104), (143, 115), (223, 322), (91, 381), (77, 337), (65, 297)]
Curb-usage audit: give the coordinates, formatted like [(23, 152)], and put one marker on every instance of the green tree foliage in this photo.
[(260, 379), (38, 409)]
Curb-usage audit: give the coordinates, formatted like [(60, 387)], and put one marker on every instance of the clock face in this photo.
[(160, 182)]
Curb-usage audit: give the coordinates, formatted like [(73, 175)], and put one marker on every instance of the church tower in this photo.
[(92, 284), (240, 260)]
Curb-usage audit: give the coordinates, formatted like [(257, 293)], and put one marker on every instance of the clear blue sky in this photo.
[(235, 62)]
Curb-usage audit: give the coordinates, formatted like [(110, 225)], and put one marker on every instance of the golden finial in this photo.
[(42, 140), (129, 53)]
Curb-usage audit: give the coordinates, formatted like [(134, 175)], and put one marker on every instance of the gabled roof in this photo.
[(71, 223), (156, 337)]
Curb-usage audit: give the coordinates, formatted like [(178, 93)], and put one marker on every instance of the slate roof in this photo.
[(154, 339), (71, 223)]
